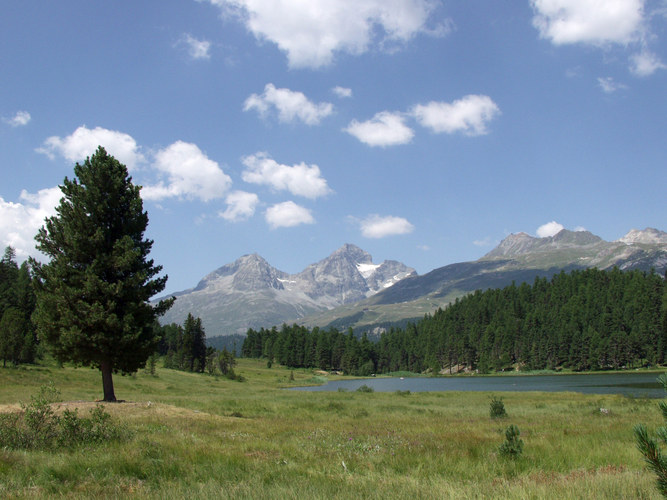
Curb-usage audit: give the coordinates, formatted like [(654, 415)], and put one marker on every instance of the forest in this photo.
[(582, 320), (18, 338)]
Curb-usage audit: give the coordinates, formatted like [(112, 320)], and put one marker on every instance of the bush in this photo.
[(38, 427), (365, 388), (513, 445), (497, 408)]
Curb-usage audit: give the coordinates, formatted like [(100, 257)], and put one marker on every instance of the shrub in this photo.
[(497, 408), (513, 445), (38, 427), (365, 388)]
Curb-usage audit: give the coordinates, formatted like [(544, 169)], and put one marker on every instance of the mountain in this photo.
[(250, 293), (519, 257)]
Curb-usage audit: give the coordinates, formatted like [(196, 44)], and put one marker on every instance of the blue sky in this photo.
[(420, 130)]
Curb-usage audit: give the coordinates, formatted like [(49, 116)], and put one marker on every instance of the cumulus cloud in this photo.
[(301, 179), (240, 206), (189, 174), (83, 142), (312, 32), (549, 229), (469, 115), (377, 226), (19, 222), (197, 49), (645, 63), (342, 92), (609, 85), (289, 104), (288, 214), (588, 21), (20, 119), (384, 129)]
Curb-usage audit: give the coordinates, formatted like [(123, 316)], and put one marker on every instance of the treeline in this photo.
[(298, 347), (184, 348), (18, 340), (584, 320)]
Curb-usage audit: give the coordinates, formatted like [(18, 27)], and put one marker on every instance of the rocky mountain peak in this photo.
[(521, 243), (249, 292), (247, 273), (575, 238), (514, 244), (352, 253), (648, 236)]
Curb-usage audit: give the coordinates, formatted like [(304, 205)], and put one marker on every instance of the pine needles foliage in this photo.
[(650, 447)]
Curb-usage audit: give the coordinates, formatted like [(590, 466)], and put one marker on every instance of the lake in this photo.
[(629, 384)]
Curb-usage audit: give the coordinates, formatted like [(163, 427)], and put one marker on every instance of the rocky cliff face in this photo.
[(250, 293)]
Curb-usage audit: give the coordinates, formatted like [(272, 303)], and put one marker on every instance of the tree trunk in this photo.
[(107, 381)]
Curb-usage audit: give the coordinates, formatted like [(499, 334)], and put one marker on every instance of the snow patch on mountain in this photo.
[(367, 270)]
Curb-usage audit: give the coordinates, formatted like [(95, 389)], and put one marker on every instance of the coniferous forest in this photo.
[(18, 339), (583, 320)]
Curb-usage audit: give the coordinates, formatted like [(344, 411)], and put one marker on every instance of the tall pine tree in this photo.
[(93, 295)]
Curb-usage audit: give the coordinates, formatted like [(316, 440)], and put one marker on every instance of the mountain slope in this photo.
[(519, 257), (250, 293)]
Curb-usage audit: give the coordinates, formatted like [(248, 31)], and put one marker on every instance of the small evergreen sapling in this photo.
[(513, 445), (650, 447), (497, 408)]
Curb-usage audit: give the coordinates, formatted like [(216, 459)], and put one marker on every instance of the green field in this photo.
[(197, 436)]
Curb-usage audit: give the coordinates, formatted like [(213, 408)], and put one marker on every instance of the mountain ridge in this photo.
[(347, 289), (519, 257), (250, 293)]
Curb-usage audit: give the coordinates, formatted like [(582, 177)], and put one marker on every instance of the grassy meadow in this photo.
[(198, 436)]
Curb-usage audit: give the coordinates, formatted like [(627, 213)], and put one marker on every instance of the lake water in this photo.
[(630, 384)]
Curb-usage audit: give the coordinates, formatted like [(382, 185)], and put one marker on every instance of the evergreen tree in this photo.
[(17, 299), (93, 295)]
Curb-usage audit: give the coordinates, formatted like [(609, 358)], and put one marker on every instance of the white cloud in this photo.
[(198, 49), (240, 206), (288, 214), (190, 174), (311, 32), (376, 226), (384, 129), (83, 142), (301, 179), (609, 85), (596, 22), (342, 92), (549, 229), (20, 119), (645, 63), (469, 115), (289, 104), (19, 222)]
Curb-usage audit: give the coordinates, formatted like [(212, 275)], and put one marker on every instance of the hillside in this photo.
[(519, 258)]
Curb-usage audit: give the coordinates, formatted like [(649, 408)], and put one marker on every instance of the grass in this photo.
[(200, 437)]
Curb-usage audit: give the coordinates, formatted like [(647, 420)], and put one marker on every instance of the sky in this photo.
[(423, 131)]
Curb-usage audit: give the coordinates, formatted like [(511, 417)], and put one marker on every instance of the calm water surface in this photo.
[(630, 384)]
